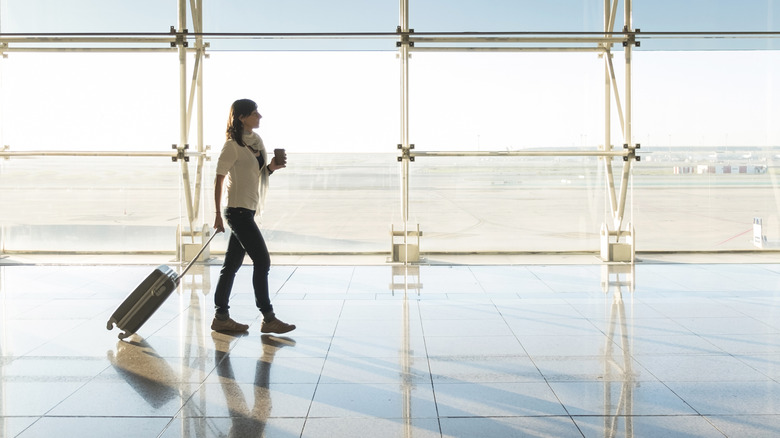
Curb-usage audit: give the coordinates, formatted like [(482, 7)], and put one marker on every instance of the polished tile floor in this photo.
[(533, 350)]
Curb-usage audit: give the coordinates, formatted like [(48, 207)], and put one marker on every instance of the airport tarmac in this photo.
[(325, 203)]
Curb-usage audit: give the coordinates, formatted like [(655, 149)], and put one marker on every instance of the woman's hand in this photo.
[(272, 166), (218, 225)]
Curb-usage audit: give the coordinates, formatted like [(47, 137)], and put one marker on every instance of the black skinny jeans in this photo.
[(245, 238)]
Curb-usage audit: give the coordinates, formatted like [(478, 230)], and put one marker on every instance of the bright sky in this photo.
[(349, 101)]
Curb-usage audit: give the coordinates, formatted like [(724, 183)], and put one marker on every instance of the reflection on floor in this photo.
[(659, 349)]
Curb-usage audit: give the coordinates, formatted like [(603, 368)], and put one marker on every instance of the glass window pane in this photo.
[(707, 15), (703, 108), (506, 101), (90, 101), (506, 15), (310, 101), (711, 17), (87, 16), (307, 16), (507, 204), (706, 98), (709, 142), (332, 203), (705, 199), (92, 204), (238, 16), (334, 112)]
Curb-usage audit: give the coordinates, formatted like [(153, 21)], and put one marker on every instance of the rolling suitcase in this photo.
[(148, 296)]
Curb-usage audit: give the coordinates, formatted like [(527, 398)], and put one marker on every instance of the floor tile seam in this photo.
[(758, 355), (597, 381), (351, 279), (632, 377), (539, 371), (25, 379), (368, 417), (721, 382), (722, 353), (340, 356), (539, 279), (563, 405), (106, 416), (79, 388), (520, 383), (742, 415), (430, 381), (443, 381), (55, 357), (685, 330), (740, 315), (322, 368), (453, 417), (726, 354), (517, 338), (184, 403), (40, 417), (49, 341), (699, 413), (692, 415), (476, 279), (21, 416), (711, 423), (480, 358), (737, 357), (638, 356), (214, 370), (169, 424), (740, 359), (572, 358), (286, 280), (270, 417)]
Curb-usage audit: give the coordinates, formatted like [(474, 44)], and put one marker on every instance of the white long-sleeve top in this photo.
[(246, 182)]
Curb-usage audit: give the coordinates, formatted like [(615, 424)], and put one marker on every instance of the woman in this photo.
[(245, 163)]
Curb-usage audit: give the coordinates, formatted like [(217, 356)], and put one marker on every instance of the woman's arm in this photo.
[(218, 225)]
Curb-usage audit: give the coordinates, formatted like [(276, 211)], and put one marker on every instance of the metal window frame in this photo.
[(615, 230), (190, 99), (615, 234), (407, 42)]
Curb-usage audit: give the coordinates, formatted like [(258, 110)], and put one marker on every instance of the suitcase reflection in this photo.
[(156, 380)]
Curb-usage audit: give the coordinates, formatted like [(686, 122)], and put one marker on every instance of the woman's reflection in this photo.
[(247, 422)]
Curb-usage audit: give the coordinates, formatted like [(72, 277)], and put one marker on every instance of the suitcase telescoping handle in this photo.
[(194, 259)]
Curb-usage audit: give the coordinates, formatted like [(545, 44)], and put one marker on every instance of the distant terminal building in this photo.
[(719, 169), (678, 170)]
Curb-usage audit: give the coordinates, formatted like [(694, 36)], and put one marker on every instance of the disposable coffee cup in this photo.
[(280, 157)]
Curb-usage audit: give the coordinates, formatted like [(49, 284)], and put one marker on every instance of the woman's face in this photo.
[(252, 121)]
